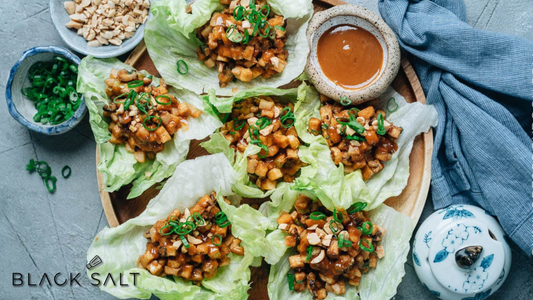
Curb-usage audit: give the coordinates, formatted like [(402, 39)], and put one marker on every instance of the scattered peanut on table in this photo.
[(104, 22)]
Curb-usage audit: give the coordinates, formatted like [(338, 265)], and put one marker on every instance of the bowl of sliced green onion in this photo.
[(41, 90)]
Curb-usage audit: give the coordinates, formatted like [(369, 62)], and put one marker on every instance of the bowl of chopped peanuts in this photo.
[(101, 28)]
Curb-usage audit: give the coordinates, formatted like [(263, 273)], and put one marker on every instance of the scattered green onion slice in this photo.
[(316, 215), (353, 111), (264, 148), (239, 13), (221, 219), (325, 126), (263, 122), (66, 171), (167, 226), (120, 96), (355, 138), (239, 124), (352, 123), (381, 130), (370, 247), (279, 27), (198, 219), (267, 7), (254, 133), (219, 239), (47, 181), (337, 216), (367, 227), (394, 107), (334, 226), (345, 101), (343, 242), (182, 67), (135, 83), (168, 102), (149, 118), (290, 279), (356, 207), (309, 253), (185, 228), (184, 241)]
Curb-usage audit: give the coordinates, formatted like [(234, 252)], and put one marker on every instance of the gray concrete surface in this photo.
[(43, 233)]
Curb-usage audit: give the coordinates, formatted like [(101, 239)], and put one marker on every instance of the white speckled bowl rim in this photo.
[(21, 108), (77, 43), (362, 17)]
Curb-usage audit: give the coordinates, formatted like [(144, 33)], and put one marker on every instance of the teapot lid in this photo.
[(465, 256)]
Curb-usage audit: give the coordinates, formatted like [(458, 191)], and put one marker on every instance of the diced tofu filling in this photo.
[(192, 245), (332, 248), (359, 139)]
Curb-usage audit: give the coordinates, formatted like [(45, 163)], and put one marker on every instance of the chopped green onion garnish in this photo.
[(167, 102), (53, 90), (290, 279), (316, 215), (47, 181), (239, 124), (343, 242), (264, 148), (66, 171), (337, 216), (345, 101), (367, 227), (267, 8), (309, 253), (334, 226), (352, 123), (214, 237), (370, 247), (239, 13), (356, 207), (170, 230), (381, 130), (392, 106), (184, 241), (182, 67), (279, 27), (221, 219), (149, 118), (185, 228), (198, 219), (134, 84), (263, 122)]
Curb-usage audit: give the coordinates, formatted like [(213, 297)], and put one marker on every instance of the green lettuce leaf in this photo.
[(377, 284), (120, 247), (324, 180), (118, 166), (218, 144), (171, 36)]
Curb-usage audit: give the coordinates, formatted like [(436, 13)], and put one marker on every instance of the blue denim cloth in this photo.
[(481, 85)]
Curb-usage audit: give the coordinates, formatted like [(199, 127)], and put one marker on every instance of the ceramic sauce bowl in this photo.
[(354, 55)]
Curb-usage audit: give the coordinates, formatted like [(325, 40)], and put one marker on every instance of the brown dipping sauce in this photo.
[(350, 56)]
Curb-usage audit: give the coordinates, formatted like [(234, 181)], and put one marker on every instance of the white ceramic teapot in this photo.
[(460, 253)]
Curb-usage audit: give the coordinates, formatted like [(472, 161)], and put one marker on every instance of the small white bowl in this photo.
[(360, 17), (23, 109), (60, 17)]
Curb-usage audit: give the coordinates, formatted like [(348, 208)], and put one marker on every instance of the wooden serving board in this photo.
[(410, 202)]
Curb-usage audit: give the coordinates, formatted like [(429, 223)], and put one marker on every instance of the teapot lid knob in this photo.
[(466, 257)]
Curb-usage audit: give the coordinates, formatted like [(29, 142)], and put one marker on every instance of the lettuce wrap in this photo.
[(324, 180), (218, 144), (171, 36), (118, 166), (378, 284), (120, 247)]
